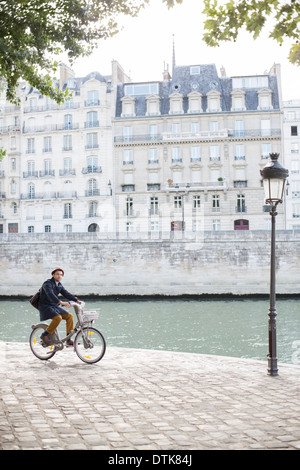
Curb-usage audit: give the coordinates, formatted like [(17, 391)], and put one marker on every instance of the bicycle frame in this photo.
[(57, 341)]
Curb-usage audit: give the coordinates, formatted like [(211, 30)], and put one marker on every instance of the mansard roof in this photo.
[(185, 79)]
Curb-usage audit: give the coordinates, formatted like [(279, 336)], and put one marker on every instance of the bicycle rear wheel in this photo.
[(36, 347), (89, 345)]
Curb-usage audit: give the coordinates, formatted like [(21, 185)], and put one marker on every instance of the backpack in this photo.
[(35, 299)]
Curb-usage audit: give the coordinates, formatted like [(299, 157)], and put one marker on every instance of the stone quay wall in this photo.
[(95, 264)]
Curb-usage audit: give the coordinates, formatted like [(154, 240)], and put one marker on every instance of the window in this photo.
[(68, 210), (154, 226), (196, 202), (47, 228), (127, 133), (195, 128), (178, 203), (128, 106), (67, 165), (216, 203), (30, 146), (239, 129), (30, 168), (67, 142), (153, 155), (128, 157), (264, 99), (216, 225), (214, 153), (30, 229), (31, 191), (153, 131), (68, 228), (250, 82), (152, 105), (294, 130), (47, 168), (141, 89), (47, 144), (93, 209), (238, 100), (129, 206), (265, 126), (92, 119), (92, 164), (265, 151), (176, 106), (154, 206), (129, 227), (240, 203), (214, 101), (195, 70), (176, 128), (92, 188), (92, 140), (176, 154), (195, 153), (239, 152), (47, 212), (68, 121), (93, 98)]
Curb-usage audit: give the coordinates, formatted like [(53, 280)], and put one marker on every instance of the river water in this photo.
[(226, 327)]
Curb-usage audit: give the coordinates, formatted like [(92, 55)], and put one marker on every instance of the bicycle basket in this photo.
[(90, 315)]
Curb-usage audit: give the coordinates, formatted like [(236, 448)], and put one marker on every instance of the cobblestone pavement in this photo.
[(140, 399)]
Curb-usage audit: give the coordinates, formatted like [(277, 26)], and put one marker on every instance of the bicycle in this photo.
[(89, 343)]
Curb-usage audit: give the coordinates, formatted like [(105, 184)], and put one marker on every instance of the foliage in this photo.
[(224, 21), (34, 32)]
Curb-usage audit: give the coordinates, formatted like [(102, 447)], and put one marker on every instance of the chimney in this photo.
[(166, 74), (65, 72)]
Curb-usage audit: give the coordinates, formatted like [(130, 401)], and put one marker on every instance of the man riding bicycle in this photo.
[(50, 305)]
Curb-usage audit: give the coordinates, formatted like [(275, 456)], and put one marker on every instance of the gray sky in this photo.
[(145, 44)]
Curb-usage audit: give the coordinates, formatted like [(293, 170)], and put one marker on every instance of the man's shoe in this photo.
[(69, 343), (46, 340)]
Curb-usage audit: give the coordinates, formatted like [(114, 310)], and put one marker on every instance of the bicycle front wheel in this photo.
[(36, 347), (89, 345)]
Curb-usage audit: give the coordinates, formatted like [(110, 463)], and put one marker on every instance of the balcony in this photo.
[(92, 192), (46, 173), (91, 169), (203, 186), (67, 172), (30, 174)]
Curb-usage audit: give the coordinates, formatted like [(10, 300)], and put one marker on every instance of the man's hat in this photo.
[(58, 269)]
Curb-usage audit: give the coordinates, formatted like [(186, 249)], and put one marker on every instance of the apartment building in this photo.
[(291, 130), (161, 159), (189, 150), (58, 171)]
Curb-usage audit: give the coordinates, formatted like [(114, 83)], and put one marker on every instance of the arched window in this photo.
[(93, 228)]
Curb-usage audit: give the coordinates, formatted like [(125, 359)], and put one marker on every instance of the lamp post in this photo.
[(274, 177)]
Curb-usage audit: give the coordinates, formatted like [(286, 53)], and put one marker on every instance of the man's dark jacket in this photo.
[(48, 303)]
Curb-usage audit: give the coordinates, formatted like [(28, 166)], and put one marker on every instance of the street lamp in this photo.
[(274, 177)]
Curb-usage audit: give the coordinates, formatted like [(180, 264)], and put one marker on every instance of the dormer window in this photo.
[(238, 100), (213, 101), (152, 105), (195, 102), (176, 103), (128, 106), (264, 99)]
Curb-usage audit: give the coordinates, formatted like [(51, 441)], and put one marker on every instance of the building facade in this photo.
[(57, 173), (171, 158), (189, 150), (291, 131)]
